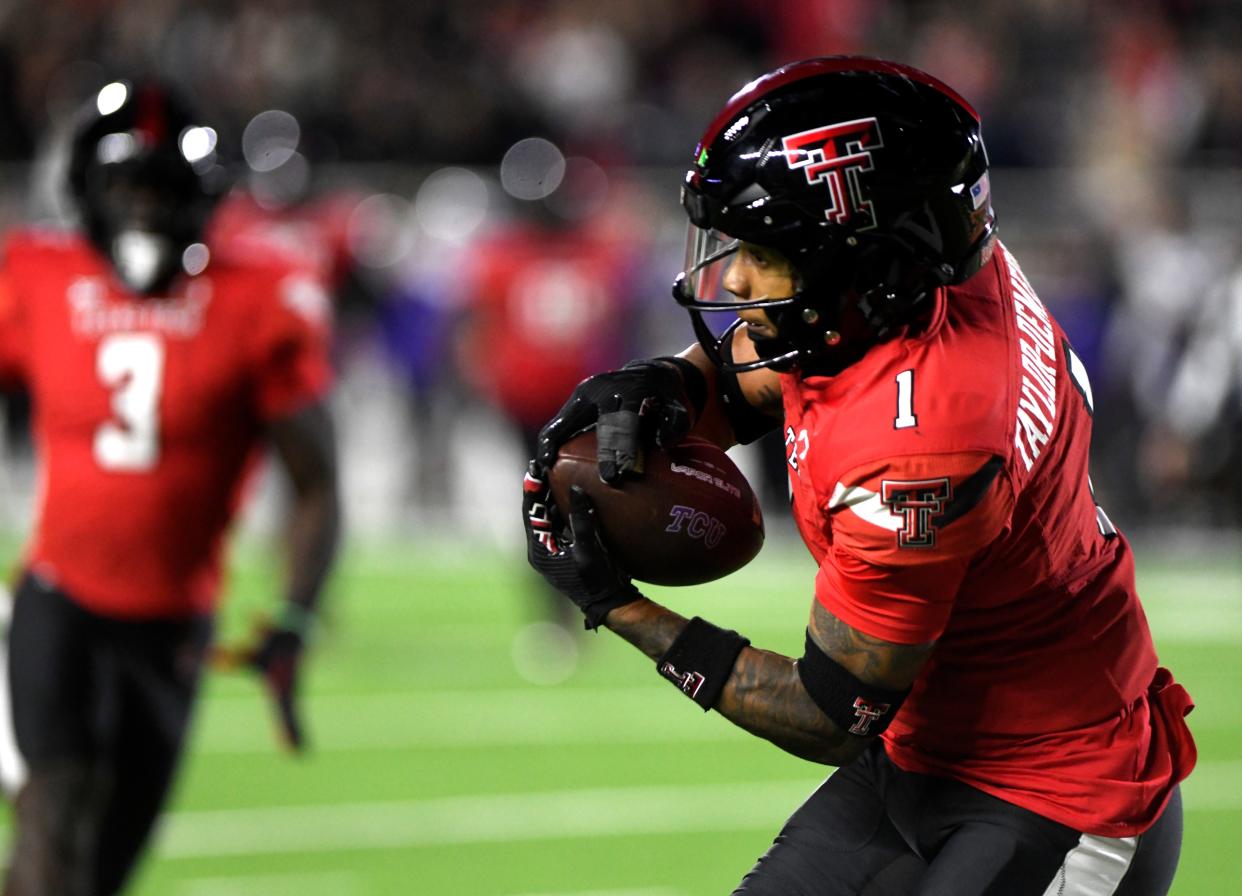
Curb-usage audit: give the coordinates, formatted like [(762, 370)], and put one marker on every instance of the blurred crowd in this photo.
[(630, 81), (490, 189)]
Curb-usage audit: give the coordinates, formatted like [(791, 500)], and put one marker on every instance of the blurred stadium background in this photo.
[(406, 148)]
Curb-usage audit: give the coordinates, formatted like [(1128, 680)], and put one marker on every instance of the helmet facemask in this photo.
[(144, 177), (141, 223), (805, 322), (845, 298)]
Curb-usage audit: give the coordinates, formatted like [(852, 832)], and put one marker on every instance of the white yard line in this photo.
[(481, 819), (553, 815), (509, 716), (320, 883), (348, 884), (522, 817), (641, 714)]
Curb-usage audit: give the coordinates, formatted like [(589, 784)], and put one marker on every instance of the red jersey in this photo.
[(312, 236), (148, 412), (941, 484), (543, 316)]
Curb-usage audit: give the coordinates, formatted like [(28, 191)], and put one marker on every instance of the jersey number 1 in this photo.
[(131, 366), (905, 401)]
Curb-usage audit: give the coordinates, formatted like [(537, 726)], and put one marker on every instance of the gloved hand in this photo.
[(275, 653), (645, 402), (572, 559), (278, 659)]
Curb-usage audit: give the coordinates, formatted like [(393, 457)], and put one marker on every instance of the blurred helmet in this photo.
[(144, 175), (872, 179)]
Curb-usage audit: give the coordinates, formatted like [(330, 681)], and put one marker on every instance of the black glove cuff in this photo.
[(692, 378), (700, 661), (597, 610)]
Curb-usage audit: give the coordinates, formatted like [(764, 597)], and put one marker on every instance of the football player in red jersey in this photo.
[(158, 373), (977, 661)]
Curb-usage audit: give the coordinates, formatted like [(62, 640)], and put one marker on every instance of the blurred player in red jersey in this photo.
[(545, 308), (285, 212), (158, 374), (539, 298), (977, 661)]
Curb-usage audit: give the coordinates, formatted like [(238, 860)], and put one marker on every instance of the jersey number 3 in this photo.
[(131, 367)]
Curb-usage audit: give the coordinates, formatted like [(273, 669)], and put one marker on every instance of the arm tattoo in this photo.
[(765, 695), (873, 660), (647, 625), (769, 400)]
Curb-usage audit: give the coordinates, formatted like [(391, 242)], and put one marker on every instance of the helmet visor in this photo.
[(709, 253)]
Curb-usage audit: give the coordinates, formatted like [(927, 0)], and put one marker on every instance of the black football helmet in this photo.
[(144, 174), (872, 179)]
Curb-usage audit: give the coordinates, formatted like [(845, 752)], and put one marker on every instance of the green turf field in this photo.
[(437, 768)]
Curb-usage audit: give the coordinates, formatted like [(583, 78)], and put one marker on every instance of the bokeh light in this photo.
[(195, 258), (378, 230), (270, 139), (451, 204), (532, 168), (198, 143), (111, 97)]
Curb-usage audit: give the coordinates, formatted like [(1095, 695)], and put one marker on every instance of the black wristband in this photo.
[(692, 378), (700, 660)]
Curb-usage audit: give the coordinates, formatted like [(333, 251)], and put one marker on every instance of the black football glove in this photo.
[(278, 660), (644, 402), (572, 559), (276, 655)]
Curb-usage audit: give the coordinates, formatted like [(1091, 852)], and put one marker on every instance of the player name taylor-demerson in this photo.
[(1037, 405)]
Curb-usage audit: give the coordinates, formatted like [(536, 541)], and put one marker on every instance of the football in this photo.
[(689, 517)]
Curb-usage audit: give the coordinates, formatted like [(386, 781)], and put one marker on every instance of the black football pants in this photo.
[(874, 830), (100, 709)]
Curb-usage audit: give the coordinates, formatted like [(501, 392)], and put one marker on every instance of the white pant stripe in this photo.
[(1094, 867), (12, 765)]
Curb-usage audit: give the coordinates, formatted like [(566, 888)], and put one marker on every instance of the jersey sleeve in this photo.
[(904, 533), (292, 367), (14, 338)]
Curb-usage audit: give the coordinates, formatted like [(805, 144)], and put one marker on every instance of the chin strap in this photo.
[(720, 348), (884, 309)]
